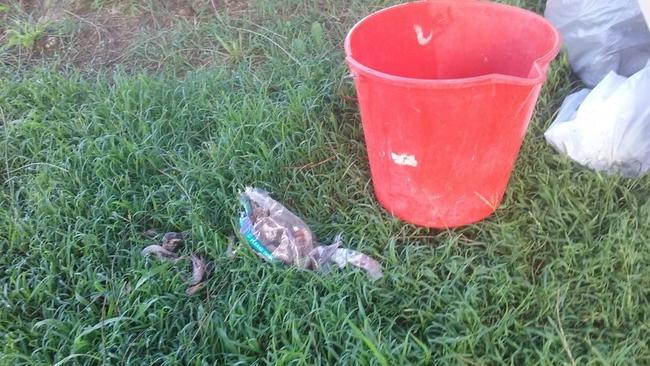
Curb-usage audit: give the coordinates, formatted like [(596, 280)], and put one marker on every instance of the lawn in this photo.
[(122, 116)]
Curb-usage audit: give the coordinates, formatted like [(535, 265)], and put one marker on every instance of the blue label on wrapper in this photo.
[(246, 229)]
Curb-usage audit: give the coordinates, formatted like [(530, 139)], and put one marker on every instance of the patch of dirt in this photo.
[(182, 8), (27, 5), (231, 6), (52, 10), (104, 36)]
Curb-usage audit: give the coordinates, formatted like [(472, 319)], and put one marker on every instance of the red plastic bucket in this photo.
[(446, 90)]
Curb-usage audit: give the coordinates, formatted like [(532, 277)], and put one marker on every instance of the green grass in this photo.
[(89, 160)]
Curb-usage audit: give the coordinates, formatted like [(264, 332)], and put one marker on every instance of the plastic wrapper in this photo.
[(607, 128), (279, 236), (601, 36)]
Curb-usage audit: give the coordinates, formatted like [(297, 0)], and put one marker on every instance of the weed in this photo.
[(23, 34)]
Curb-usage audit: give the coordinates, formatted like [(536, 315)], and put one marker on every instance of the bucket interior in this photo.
[(452, 39)]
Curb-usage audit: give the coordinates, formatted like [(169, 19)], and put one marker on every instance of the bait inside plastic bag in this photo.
[(279, 236)]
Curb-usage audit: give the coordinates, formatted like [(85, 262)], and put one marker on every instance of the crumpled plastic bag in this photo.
[(279, 236), (607, 128), (601, 36)]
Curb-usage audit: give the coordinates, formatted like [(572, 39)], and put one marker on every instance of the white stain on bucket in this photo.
[(404, 159), (422, 40)]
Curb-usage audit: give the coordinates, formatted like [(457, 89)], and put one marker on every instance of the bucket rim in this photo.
[(539, 74)]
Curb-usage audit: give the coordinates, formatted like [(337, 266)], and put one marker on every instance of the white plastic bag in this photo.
[(607, 128), (601, 36)]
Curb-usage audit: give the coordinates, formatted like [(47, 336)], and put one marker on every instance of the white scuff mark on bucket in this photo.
[(422, 40), (404, 159)]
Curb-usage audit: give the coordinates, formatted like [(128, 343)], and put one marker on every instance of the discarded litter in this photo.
[(165, 251), (160, 252), (601, 36), (279, 236), (172, 240), (199, 271), (607, 128)]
